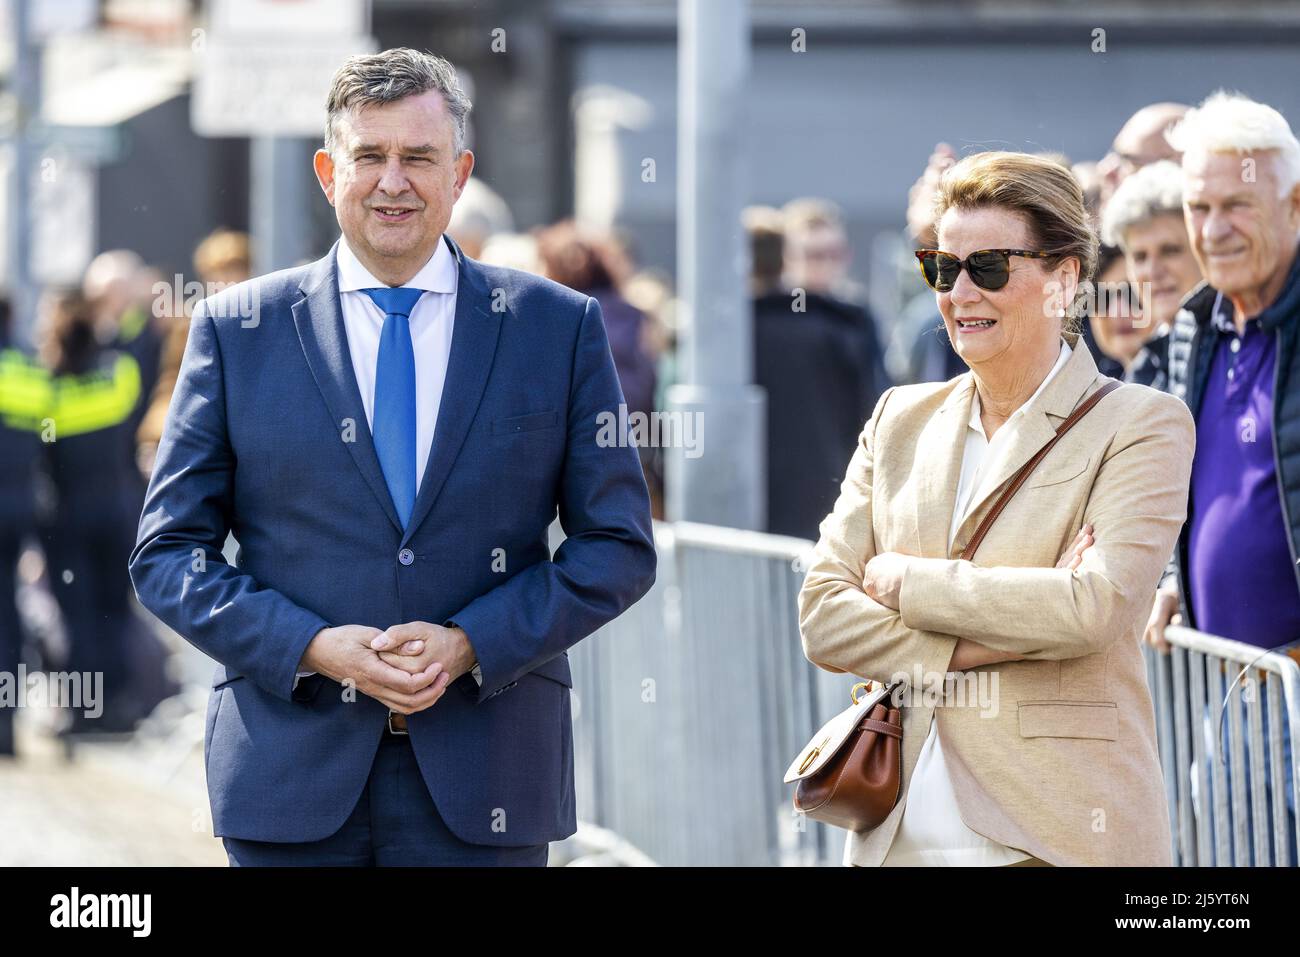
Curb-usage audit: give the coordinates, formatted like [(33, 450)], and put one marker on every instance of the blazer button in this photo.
[(406, 556)]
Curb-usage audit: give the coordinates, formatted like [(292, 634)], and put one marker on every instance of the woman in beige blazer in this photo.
[(1029, 734)]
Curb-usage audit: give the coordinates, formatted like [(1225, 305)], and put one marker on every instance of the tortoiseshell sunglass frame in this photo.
[(923, 254)]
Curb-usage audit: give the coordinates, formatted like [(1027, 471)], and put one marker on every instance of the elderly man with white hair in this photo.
[(1144, 219), (1234, 357)]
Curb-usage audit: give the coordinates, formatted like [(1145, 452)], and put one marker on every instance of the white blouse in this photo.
[(931, 832)]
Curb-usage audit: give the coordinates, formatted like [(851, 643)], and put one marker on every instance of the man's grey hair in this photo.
[(390, 76), (1154, 190), (1232, 123)]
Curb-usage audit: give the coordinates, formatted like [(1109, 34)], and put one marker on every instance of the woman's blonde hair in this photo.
[(1047, 197)]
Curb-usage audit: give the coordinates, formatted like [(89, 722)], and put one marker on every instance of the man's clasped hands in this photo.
[(406, 668)]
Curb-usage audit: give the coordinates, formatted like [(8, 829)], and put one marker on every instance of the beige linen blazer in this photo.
[(1059, 759)]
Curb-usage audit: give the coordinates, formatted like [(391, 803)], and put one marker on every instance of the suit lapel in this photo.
[(1037, 427), (319, 320), (473, 346), (938, 485)]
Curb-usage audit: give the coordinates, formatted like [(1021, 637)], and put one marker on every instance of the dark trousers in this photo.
[(10, 625), (90, 581), (395, 824)]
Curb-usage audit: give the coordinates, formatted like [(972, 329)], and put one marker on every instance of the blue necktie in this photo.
[(394, 414)]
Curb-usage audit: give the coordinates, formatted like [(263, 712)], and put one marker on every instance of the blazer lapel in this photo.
[(1037, 427), (319, 320), (473, 346), (937, 494)]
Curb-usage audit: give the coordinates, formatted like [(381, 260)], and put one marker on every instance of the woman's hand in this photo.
[(1073, 554), (971, 654), (882, 579)]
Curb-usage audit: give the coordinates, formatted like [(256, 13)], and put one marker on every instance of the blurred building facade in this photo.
[(575, 105)]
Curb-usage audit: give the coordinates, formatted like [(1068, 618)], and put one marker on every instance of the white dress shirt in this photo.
[(431, 325), (431, 321), (931, 832)]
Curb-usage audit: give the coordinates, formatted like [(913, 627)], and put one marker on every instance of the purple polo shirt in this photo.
[(1242, 584)]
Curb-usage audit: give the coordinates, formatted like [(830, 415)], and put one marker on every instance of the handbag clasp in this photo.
[(812, 755), (860, 686)]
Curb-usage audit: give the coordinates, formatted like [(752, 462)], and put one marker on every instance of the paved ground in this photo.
[(141, 802), (125, 803)]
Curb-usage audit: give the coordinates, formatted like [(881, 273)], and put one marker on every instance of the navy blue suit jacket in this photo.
[(267, 438)]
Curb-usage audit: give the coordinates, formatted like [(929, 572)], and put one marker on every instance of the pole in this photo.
[(23, 294), (722, 482), (280, 198)]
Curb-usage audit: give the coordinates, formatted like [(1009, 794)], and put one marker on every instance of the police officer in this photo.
[(96, 404), (24, 398)]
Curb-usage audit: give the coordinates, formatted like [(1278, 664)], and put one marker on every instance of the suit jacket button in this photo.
[(406, 556)]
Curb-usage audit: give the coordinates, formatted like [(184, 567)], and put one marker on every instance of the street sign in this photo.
[(267, 86), (290, 20)]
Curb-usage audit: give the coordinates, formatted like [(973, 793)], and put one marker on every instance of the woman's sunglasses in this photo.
[(988, 268)]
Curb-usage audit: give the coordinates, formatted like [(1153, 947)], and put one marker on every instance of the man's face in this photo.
[(1139, 143), (1137, 147), (1241, 231), (393, 180), (816, 258)]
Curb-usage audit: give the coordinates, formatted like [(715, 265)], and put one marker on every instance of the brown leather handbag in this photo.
[(850, 774)]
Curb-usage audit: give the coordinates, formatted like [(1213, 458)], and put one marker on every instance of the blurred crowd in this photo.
[(82, 411), (824, 358), (81, 414)]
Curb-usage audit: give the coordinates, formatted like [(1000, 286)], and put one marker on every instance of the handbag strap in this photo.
[(1019, 479), (881, 727)]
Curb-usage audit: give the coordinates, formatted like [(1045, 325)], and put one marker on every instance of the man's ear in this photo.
[(464, 166), (323, 163)]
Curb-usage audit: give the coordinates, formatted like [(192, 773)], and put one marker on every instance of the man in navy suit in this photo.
[(388, 433)]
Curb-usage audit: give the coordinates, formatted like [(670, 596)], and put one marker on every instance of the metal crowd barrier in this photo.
[(1221, 709), (688, 708)]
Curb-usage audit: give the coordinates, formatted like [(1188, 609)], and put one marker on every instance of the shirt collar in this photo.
[(436, 275), (1061, 359), (1220, 317)]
